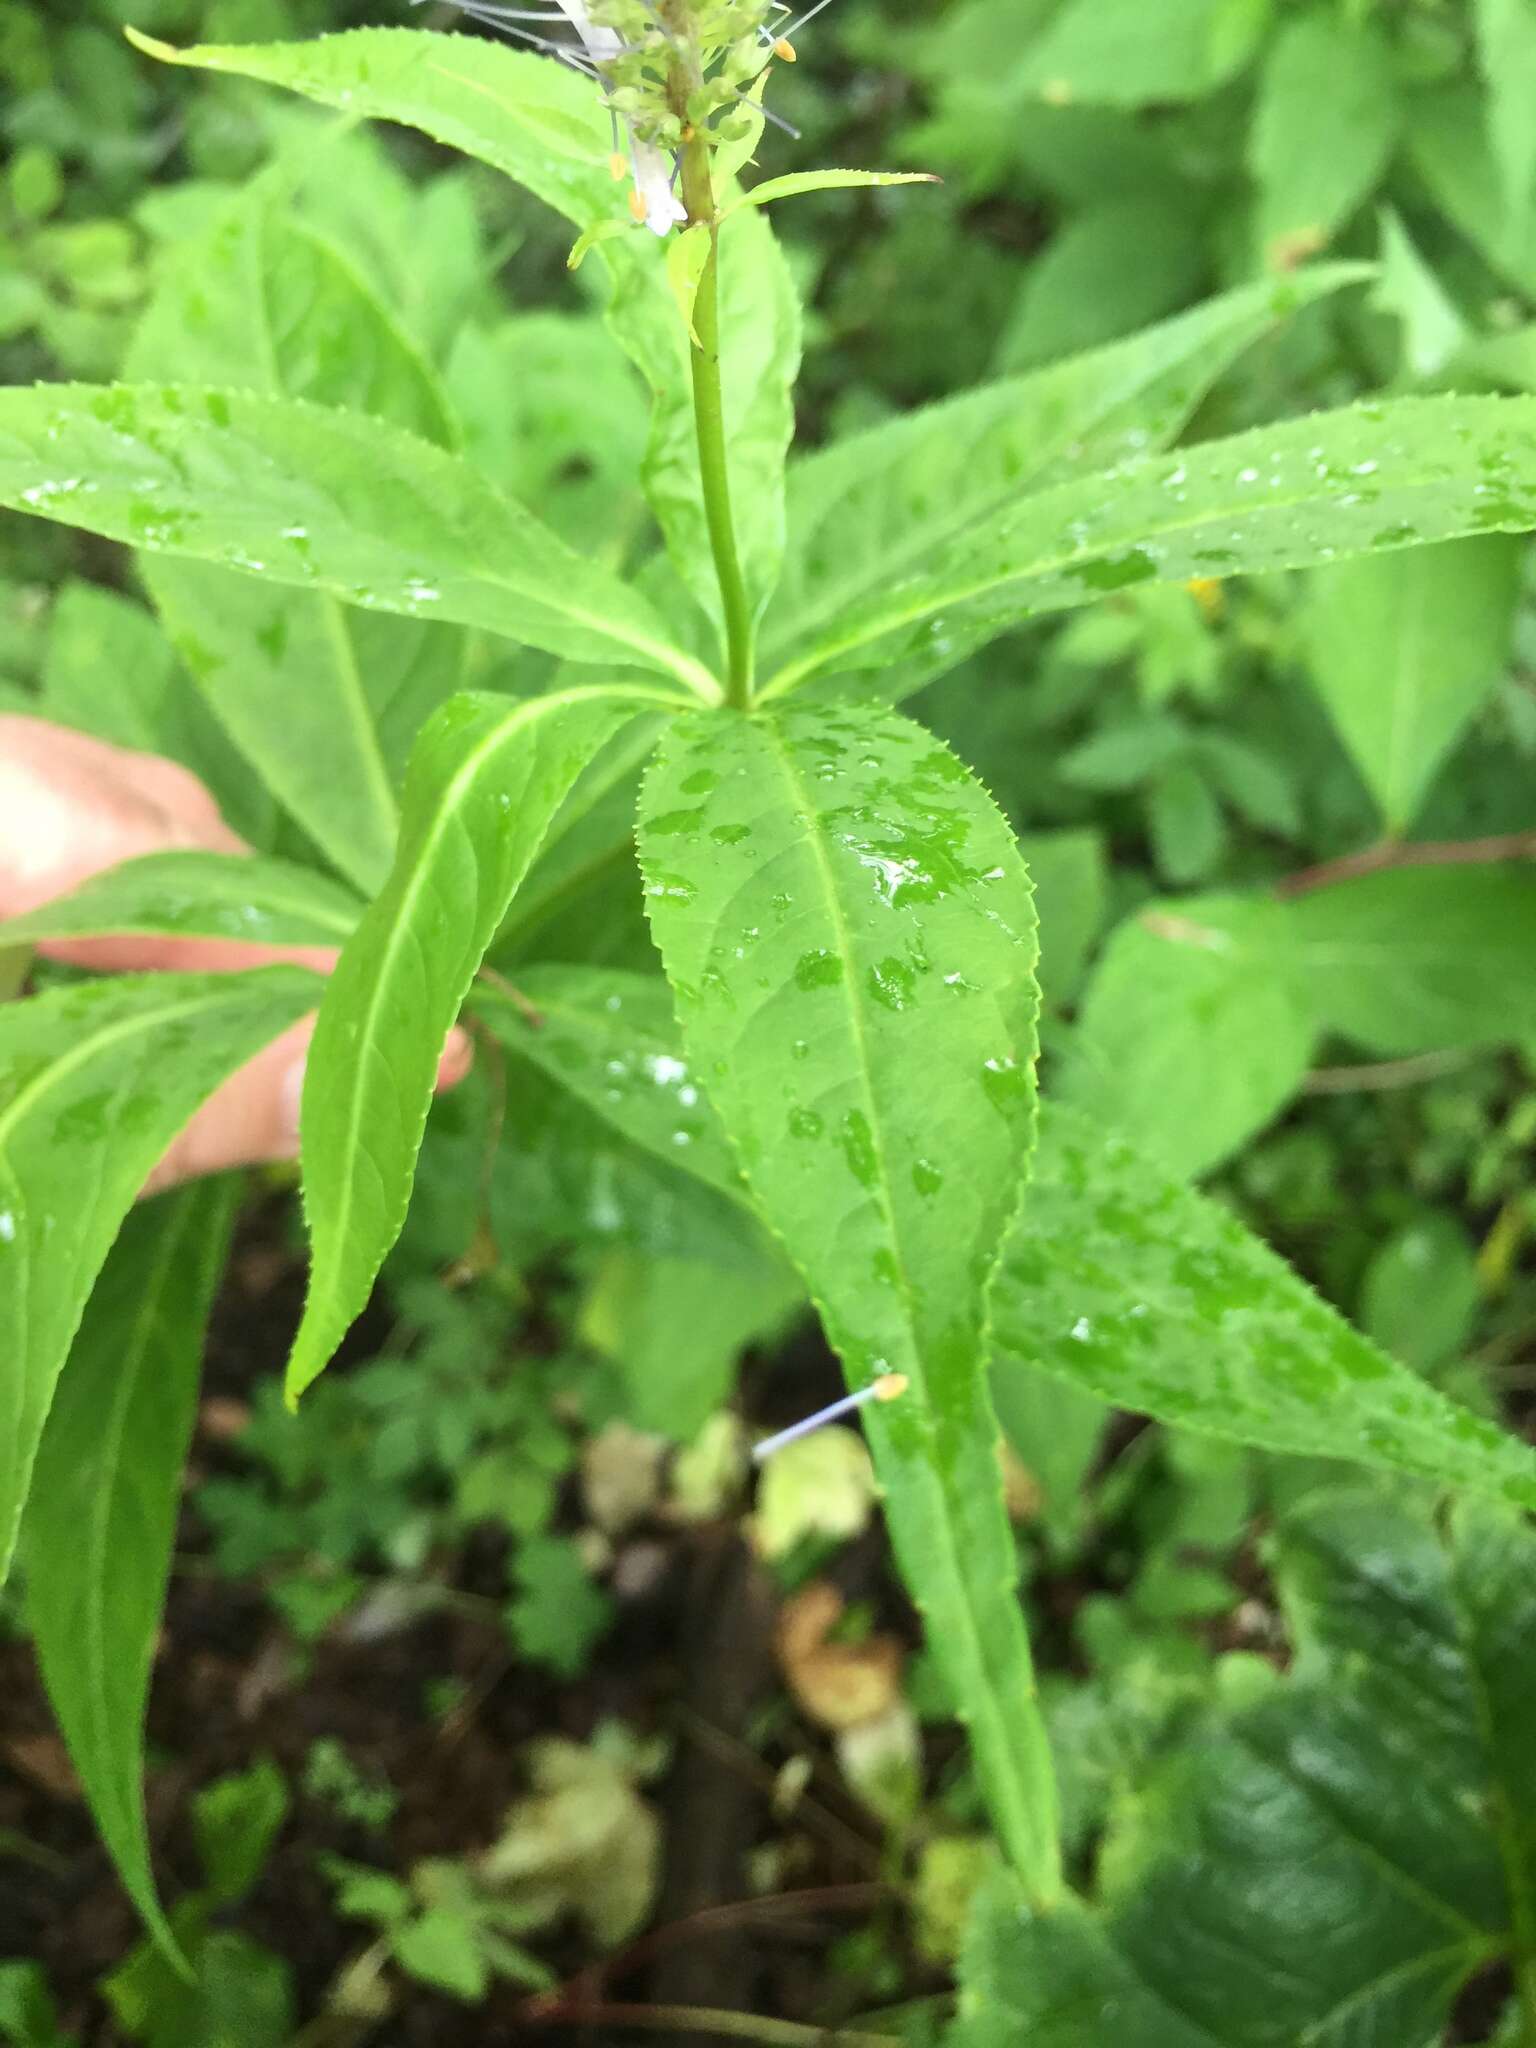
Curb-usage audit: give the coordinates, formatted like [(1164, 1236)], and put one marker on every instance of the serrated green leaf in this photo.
[(1370, 479), (536, 121), (100, 1519), (324, 500), (488, 775), (1147, 1294), (307, 688), (883, 503), (127, 1060), (849, 934), (254, 900), (1404, 650)]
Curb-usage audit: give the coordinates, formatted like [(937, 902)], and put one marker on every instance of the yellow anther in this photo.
[(637, 204), (891, 1386), (785, 48), (618, 164), (1206, 591)]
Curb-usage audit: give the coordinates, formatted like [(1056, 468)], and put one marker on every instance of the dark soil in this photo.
[(690, 1657)]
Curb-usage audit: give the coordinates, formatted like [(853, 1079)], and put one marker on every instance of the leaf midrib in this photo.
[(445, 815), (984, 1705)]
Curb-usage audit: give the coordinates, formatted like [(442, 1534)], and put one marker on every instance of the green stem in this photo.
[(709, 423)]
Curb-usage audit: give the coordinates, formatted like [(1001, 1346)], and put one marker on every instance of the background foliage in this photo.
[(511, 1504)]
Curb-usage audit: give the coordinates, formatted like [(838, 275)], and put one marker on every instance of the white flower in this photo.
[(653, 199), (602, 45)]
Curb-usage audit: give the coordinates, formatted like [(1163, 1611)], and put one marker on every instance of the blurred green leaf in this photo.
[(100, 1519), (1404, 650)]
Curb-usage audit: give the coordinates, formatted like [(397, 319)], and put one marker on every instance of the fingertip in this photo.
[(458, 1057)]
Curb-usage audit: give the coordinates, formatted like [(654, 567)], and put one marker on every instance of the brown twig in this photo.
[(705, 2019), (1377, 1077), (585, 1986), (1394, 853), (528, 1010)]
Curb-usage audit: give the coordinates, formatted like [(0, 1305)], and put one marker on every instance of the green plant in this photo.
[(843, 915)]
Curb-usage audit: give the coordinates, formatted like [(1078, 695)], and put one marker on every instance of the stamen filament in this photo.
[(889, 1387)]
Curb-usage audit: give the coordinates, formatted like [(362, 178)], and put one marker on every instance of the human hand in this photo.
[(71, 806)]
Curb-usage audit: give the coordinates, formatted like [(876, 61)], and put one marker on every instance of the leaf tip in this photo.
[(151, 46)]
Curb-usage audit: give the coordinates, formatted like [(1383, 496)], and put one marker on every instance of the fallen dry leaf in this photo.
[(838, 1685)]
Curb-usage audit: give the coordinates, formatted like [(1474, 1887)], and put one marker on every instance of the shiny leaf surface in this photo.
[(488, 775), (325, 500), (1143, 1292), (1367, 480), (1333, 1863), (850, 937), (129, 1060), (611, 1038), (881, 503)]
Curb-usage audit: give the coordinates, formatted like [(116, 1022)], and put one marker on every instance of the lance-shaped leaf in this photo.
[(1136, 1288), (312, 691), (101, 1516), (544, 126), (881, 503), (325, 500), (256, 901), (849, 933), (1363, 481), (535, 120), (487, 777), (95, 1082)]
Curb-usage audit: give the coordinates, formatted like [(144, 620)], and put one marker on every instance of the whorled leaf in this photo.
[(95, 1082), (849, 934), (254, 900), (883, 503), (100, 1519), (1143, 1292), (1366, 480), (488, 775), (544, 126), (325, 500)]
